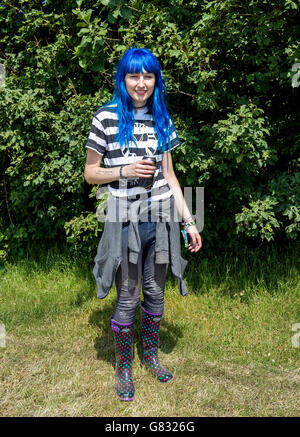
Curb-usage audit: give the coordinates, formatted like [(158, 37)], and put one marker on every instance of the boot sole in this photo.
[(126, 399), (165, 382), (144, 365)]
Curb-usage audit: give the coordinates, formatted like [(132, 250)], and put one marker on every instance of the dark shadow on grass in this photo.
[(104, 342)]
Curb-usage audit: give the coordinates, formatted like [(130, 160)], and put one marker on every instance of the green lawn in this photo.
[(229, 343)]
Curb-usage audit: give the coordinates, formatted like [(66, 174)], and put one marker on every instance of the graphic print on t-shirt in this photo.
[(146, 139)]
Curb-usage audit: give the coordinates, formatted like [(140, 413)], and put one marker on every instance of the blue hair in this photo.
[(140, 60)]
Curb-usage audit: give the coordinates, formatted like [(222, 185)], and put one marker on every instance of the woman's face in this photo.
[(140, 86)]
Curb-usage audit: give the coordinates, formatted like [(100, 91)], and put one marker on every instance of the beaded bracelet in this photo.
[(187, 225), (121, 174)]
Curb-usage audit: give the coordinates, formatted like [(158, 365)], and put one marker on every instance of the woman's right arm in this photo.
[(94, 174)]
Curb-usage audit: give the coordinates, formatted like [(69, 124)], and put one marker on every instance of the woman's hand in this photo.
[(139, 169), (195, 239)]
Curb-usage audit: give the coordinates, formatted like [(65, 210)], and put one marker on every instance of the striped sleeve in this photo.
[(97, 138), (174, 139)]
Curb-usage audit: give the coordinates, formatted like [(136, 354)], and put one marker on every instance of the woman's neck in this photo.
[(140, 107)]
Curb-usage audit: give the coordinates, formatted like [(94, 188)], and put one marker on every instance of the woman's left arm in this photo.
[(184, 213)]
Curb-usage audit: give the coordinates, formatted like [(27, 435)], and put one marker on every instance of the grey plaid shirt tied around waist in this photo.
[(167, 244)]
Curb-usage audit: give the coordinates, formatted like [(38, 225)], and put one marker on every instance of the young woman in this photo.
[(134, 134)]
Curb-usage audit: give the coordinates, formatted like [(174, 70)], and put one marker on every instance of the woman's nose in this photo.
[(141, 82)]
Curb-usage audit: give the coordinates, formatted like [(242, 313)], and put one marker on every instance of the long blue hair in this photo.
[(140, 60)]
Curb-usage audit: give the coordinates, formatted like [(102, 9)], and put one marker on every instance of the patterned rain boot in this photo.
[(150, 335), (123, 334)]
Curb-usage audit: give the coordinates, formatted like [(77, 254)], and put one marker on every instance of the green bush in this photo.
[(230, 72)]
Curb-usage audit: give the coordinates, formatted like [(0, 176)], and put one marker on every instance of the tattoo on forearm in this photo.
[(104, 172)]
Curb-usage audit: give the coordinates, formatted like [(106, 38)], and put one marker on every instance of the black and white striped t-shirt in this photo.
[(102, 137)]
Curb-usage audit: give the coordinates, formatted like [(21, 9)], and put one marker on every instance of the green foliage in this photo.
[(82, 230), (233, 89), (259, 219)]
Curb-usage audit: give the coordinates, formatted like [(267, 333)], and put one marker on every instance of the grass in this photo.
[(228, 343)]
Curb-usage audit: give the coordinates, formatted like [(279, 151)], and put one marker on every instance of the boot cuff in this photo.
[(120, 327)]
